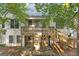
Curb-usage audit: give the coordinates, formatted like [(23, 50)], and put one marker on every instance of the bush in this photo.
[(2, 45)]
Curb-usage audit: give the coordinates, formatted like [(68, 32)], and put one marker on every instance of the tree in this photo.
[(59, 13), (19, 10)]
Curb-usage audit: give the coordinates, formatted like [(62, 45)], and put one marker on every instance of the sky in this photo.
[(32, 11)]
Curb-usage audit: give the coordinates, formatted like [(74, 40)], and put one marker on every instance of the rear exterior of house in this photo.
[(14, 36)]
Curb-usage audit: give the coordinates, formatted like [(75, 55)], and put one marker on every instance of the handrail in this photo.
[(62, 38), (56, 49), (59, 49)]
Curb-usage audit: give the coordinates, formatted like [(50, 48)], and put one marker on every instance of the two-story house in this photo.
[(13, 35)]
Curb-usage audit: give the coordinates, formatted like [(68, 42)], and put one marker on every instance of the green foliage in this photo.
[(3, 13), (2, 31), (62, 14), (2, 45), (2, 20), (17, 9)]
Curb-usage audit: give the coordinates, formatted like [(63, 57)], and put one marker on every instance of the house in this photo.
[(13, 35)]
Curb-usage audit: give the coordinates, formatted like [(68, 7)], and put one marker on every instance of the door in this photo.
[(28, 41)]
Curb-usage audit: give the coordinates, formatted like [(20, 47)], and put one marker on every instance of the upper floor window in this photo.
[(3, 25), (14, 23), (29, 22)]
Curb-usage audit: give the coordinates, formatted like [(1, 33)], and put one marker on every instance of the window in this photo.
[(14, 23), (3, 25), (10, 39), (29, 22), (18, 39)]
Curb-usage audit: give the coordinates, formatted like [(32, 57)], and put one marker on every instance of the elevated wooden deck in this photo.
[(29, 30), (60, 40)]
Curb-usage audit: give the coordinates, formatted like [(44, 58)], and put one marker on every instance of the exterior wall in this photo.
[(10, 31), (13, 32)]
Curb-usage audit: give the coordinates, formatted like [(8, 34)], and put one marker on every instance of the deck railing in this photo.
[(55, 35), (34, 30)]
